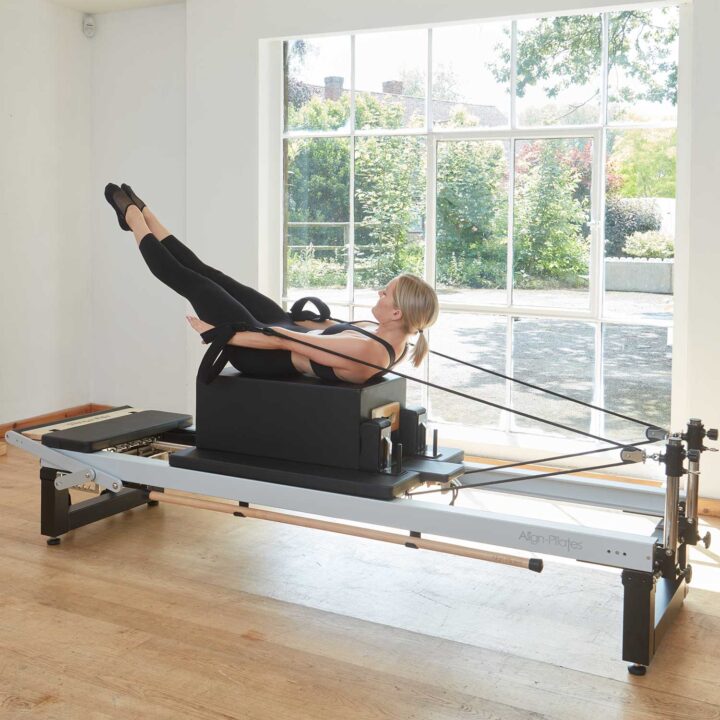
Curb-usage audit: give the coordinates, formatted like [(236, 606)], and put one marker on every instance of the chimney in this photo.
[(333, 87), (393, 87)]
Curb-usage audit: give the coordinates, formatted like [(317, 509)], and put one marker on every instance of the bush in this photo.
[(623, 218), (650, 245), (305, 270)]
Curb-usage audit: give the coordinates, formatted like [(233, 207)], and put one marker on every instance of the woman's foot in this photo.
[(135, 199), (119, 202)]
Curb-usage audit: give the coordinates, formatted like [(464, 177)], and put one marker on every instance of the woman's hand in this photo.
[(198, 325)]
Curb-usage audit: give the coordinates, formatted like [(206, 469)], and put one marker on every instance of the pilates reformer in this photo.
[(310, 453)]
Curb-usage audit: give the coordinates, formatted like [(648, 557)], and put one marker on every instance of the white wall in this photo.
[(231, 84), (139, 348), (45, 126)]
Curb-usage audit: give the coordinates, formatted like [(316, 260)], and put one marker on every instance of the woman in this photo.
[(407, 305)]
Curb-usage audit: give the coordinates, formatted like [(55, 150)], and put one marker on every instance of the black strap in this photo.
[(297, 311), (216, 356)]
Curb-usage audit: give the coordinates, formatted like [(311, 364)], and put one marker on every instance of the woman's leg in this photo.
[(263, 308), (212, 303)]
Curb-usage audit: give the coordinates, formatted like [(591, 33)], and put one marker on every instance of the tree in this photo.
[(472, 205), (549, 243), (560, 52), (644, 162)]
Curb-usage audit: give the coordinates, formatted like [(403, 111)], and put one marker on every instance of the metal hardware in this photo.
[(656, 434), (78, 472), (633, 455)]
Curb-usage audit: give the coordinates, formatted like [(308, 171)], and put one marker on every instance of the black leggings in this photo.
[(219, 299)]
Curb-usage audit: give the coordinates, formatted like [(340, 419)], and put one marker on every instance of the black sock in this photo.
[(136, 200), (119, 202)]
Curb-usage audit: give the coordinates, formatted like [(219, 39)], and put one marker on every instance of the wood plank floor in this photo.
[(175, 613)]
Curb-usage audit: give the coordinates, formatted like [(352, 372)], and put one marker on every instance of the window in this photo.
[(526, 169)]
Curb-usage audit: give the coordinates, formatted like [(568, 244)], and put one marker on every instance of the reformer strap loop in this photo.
[(216, 356), (297, 311)]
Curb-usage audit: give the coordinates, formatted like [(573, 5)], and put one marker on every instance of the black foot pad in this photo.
[(637, 669), (53, 541)]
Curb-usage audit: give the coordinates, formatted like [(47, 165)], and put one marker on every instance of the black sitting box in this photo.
[(302, 419)]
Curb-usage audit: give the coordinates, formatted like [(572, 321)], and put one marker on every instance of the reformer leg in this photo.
[(58, 516), (650, 606)]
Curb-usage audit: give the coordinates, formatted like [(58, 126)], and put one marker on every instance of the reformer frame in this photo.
[(655, 572)]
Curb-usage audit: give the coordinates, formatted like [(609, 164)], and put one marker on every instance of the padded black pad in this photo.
[(300, 419), (106, 433), (284, 472)]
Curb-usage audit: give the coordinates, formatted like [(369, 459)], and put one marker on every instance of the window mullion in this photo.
[(351, 199), (513, 73)]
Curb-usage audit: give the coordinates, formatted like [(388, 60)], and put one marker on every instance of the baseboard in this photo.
[(707, 507)]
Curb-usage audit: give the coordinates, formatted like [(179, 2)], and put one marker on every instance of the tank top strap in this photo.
[(338, 328)]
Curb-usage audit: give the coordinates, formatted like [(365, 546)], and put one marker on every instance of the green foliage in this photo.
[(650, 245), (472, 214), (549, 219), (318, 179), (559, 52), (389, 203), (623, 218), (305, 270), (644, 163)]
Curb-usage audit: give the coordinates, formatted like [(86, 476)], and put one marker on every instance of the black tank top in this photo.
[(327, 373)]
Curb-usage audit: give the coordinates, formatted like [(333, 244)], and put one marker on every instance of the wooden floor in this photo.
[(175, 613)]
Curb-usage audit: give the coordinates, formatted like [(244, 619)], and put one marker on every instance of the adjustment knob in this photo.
[(712, 434), (706, 540)]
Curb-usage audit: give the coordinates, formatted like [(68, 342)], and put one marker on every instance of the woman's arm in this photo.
[(351, 346)]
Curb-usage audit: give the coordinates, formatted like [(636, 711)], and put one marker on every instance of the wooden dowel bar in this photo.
[(534, 564)]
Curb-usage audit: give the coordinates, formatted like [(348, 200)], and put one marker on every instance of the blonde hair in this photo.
[(419, 306)]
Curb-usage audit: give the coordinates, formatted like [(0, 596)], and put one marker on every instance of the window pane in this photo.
[(317, 81), (390, 79), (471, 221), (642, 65), (558, 70), (317, 178), (560, 356), (551, 245), (389, 211), (640, 223), (471, 75), (479, 339), (316, 258), (637, 378)]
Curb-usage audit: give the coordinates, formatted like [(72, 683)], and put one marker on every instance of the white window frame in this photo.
[(504, 441)]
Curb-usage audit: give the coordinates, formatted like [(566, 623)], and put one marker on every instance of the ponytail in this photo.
[(420, 350)]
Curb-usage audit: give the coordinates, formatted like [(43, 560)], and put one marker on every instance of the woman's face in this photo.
[(385, 309)]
